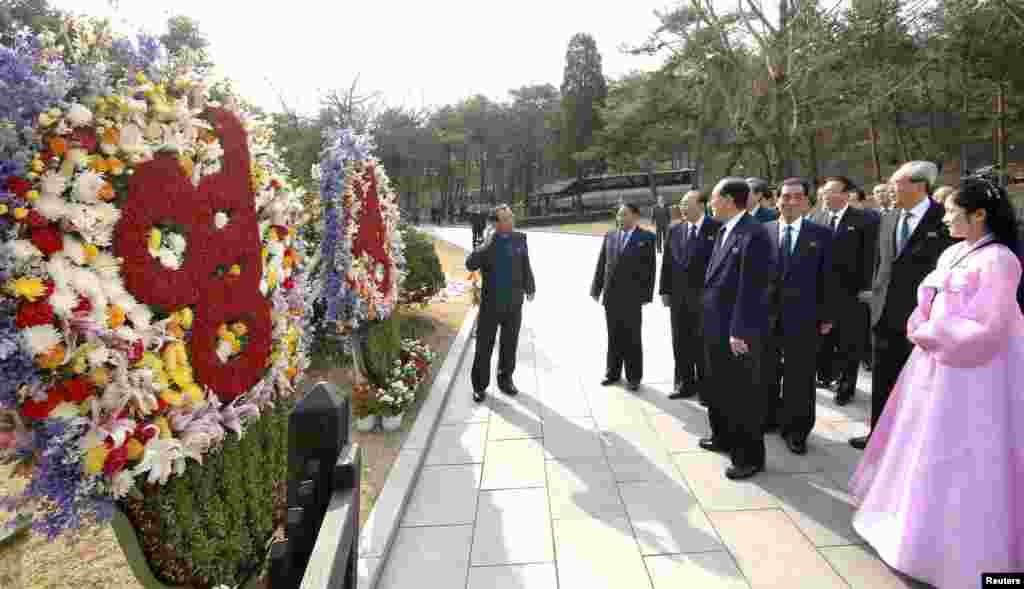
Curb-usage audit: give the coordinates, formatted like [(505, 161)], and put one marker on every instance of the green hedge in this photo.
[(424, 277), (211, 525), (383, 347)]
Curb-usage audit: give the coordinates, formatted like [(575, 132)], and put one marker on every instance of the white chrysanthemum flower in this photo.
[(212, 152), (65, 410), (53, 184), (123, 484), (79, 116), (76, 157), (169, 259), (60, 271), (220, 220), (40, 338), (73, 249), (98, 355), (108, 148), (136, 106), (162, 458), (176, 242), (63, 300), (23, 249), (132, 139), (108, 267), (139, 315), (88, 186)]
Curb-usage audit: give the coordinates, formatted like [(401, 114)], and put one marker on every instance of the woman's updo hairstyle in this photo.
[(982, 193)]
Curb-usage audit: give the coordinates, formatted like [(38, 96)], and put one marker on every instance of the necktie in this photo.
[(904, 234), (787, 245), (622, 241), (693, 233), (718, 240), (835, 222)]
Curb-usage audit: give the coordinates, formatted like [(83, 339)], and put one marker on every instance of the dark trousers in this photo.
[(509, 319), (892, 348), (624, 343), (736, 401), (688, 344), (789, 382), (661, 235), (842, 349), (478, 235)]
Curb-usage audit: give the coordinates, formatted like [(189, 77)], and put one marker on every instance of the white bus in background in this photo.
[(606, 192)]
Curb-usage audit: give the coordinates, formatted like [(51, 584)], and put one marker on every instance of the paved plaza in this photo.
[(573, 485)]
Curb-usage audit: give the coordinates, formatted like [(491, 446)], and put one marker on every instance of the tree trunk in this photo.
[(1001, 144), (875, 157)]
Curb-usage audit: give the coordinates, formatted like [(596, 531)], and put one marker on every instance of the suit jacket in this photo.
[(478, 221), (765, 215), (660, 215), (522, 274), (800, 295), (853, 250), (894, 290), (626, 278), (734, 299), (685, 264)]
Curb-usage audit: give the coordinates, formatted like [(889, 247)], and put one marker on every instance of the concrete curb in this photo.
[(378, 535)]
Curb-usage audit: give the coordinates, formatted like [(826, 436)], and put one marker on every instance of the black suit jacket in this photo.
[(800, 295), (684, 265), (483, 259), (735, 301), (626, 278), (660, 215), (853, 250), (894, 291), (765, 215)]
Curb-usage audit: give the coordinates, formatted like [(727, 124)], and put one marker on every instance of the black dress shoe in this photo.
[(681, 394), (479, 396), (738, 473), (859, 442), (704, 402), (796, 446), (633, 387), (509, 389), (824, 383), (610, 381), (844, 398), (711, 445)]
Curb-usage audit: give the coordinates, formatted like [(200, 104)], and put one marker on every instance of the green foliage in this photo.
[(213, 522), (383, 346), (424, 277)]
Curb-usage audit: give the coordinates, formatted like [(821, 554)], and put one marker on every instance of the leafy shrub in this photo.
[(424, 277), (211, 525)]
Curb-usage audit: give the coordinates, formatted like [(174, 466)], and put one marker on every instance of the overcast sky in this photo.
[(414, 53)]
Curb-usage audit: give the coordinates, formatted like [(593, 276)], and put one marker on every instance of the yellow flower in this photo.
[(165, 427), (135, 449), (140, 78), (240, 329), (91, 251), (99, 164), (186, 165), (20, 213), (37, 166), (194, 393), (182, 376), (3, 209), (236, 345), (32, 195), (231, 339), (292, 371), (27, 288), (100, 376), (154, 239), (53, 357), (95, 459), (235, 270), (185, 317), (272, 278), (172, 398), (80, 365)]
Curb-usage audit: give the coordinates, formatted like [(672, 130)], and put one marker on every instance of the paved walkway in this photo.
[(572, 485)]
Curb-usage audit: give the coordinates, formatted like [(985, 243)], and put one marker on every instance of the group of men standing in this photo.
[(763, 301)]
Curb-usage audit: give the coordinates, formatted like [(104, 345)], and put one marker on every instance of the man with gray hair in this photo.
[(759, 206), (909, 245)]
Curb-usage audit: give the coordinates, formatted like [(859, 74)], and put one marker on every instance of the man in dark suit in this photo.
[(798, 315), (661, 217), (909, 245), (683, 268), (759, 206), (735, 327), (479, 222), (625, 274), (504, 263), (855, 234)]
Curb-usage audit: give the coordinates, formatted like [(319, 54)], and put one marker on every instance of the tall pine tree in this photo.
[(584, 89)]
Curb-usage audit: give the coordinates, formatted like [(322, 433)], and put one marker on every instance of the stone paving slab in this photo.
[(573, 485)]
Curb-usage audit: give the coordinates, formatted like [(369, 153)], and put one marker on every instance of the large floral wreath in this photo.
[(361, 256), (153, 293)]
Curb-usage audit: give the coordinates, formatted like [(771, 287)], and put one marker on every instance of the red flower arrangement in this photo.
[(48, 239), (370, 237), (31, 314), (240, 373), (18, 186), (41, 409)]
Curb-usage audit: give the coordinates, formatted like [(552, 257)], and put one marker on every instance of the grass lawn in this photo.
[(97, 561)]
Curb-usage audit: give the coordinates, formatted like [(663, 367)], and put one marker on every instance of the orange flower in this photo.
[(115, 316), (116, 166), (107, 192), (186, 165), (99, 165), (112, 136), (53, 357), (58, 146)]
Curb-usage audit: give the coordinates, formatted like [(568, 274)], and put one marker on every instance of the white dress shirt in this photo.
[(838, 216), (699, 224), (727, 228)]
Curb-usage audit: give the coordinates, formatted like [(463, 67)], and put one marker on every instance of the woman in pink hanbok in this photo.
[(941, 485)]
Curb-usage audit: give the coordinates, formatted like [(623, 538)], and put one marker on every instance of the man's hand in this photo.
[(739, 347), (666, 300), (529, 296), (826, 328), (864, 296)]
